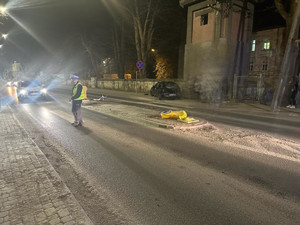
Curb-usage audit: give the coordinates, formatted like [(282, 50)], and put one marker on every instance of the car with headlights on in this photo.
[(12, 84), (31, 90), (165, 89)]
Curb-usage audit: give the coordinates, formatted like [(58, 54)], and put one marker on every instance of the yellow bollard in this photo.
[(84, 88), (174, 114)]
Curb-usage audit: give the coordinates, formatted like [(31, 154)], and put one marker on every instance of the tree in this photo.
[(163, 67), (291, 14), (149, 24), (123, 47), (287, 9), (142, 15), (97, 45), (169, 37), (119, 48), (90, 45)]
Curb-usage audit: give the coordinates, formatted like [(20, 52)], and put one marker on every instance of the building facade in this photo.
[(267, 52), (217, 45)]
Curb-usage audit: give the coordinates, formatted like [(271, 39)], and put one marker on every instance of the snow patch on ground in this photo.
[(234, 137)]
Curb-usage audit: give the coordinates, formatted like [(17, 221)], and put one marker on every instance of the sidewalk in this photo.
[(31, 192)]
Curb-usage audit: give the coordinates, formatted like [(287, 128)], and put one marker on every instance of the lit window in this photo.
[(253, 46), (251, 67), (265, 67), (204, 19), (266, 45)]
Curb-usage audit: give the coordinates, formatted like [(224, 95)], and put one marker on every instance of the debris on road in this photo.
[(189, 120), (173, 114), (93, 101), (100, 99), (181, 115)]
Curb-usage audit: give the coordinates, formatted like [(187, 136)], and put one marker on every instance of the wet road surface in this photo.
[(157, 177)]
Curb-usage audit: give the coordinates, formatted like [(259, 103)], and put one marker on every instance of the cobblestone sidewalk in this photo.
[(31, 192)]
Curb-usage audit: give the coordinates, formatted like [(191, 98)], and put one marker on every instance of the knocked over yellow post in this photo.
[(181, 115), (173, 114)]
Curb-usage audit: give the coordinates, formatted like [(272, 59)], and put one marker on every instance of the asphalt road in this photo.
[(276, 123), (157, 177)]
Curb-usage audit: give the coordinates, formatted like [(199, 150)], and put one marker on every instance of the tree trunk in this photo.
[(119, 52), (87, 47), (288, 60)]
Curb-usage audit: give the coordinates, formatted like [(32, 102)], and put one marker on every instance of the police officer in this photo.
[(77, 96)]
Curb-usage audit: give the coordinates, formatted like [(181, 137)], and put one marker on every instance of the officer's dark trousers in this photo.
[(76, 110), (293, 98)]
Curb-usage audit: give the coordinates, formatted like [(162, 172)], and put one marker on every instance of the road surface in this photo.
[(144, 174)]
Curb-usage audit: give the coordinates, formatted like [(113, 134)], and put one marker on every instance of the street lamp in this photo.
[(4, 36), (1, 46), (3, 9)]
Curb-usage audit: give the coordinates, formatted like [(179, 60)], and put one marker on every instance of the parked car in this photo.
[(31, 89), (165, 89)]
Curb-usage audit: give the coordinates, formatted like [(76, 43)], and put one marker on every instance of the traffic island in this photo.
[(177, 124), (179, 120)]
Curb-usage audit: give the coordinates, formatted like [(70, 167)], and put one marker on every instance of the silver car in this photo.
[(31, 90)]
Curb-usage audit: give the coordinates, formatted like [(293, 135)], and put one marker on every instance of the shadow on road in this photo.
[(84, 130)]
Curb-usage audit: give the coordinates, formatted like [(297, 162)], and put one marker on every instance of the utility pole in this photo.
[(286, 59)]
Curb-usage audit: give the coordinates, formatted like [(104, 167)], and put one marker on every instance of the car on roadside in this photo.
[(31, 89), (165, 89)]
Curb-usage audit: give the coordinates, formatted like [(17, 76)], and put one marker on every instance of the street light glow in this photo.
[(3, 9), (1, 46), (4, 36)]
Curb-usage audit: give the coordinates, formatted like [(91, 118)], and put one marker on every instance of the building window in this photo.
[(251, 67), (253, 46), (265, 67), (266, 45), (204, 19)]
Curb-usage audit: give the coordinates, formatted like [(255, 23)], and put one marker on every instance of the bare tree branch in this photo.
[(280, 7)]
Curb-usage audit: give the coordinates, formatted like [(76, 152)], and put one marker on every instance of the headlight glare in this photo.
[(44, 90), (23, 92)]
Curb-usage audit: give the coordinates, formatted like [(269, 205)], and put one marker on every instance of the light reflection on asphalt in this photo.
[(10, 95)]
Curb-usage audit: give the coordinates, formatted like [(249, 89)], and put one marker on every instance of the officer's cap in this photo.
[(75, 77)]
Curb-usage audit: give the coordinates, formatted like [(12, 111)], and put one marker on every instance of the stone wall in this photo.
[(141, 86)]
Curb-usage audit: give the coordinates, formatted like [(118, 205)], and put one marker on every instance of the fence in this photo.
[(252, 88)]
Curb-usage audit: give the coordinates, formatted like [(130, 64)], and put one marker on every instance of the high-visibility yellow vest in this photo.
[(75, 91)]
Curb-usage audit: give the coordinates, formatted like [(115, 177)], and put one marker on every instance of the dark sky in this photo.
[(266, 16), (43, 31)]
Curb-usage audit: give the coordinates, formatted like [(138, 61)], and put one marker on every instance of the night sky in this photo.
[(46, 32)]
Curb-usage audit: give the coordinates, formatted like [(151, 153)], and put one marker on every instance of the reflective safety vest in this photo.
[(75, 91)]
